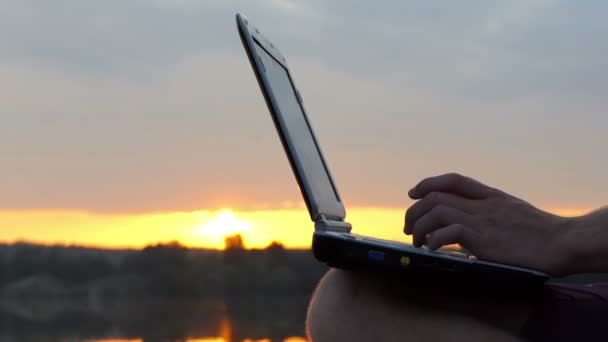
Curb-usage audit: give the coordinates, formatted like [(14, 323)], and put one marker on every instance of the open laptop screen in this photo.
[(314, 169)]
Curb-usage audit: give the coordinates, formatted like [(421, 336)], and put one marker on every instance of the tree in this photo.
[(166, 267), (276, 254), (235, 250), (234, 242)]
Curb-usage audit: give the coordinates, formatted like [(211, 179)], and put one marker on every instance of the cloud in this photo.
[(136, 106), (497, 49)]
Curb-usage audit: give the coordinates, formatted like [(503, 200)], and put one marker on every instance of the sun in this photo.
[(223, 224)]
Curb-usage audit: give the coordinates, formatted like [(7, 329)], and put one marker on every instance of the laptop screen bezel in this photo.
[(317, 206)]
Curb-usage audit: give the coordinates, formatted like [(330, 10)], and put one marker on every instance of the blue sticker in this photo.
[(375, 255)]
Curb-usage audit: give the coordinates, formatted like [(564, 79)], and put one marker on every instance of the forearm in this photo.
[(586, 243)]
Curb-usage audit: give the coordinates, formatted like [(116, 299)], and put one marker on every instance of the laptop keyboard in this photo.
[(422, 249)]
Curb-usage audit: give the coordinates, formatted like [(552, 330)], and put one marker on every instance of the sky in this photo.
[(127, 122)]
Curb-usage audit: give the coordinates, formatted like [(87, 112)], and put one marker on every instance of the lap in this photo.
[(376, 307)]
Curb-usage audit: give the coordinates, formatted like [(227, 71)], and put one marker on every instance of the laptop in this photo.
[(333, 241)]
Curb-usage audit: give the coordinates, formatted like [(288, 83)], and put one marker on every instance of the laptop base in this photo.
[(358, 254)]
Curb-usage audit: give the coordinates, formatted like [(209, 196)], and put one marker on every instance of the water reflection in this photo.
[(257, 319), (204, 339)]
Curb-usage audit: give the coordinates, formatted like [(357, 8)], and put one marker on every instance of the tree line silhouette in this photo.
[(164, 269)]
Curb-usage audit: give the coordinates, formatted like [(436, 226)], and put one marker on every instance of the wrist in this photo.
[(578, 246), (562, 250)]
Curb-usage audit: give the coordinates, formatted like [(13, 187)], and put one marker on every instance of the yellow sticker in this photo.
[(405, 261)]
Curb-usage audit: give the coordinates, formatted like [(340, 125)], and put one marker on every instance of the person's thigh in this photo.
[(348, 306)]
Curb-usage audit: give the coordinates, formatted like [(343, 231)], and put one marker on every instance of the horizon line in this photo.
[(132, 248)]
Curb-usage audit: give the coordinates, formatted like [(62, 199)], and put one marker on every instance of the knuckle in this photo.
[(439, 210), (495, 207), (454, 177), (434, 197), (492, 221), (420, 229), (459, 231), (493, 192), (411, 211)]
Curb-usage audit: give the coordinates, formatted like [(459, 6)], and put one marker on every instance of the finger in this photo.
[(439, 217), (433, 199), (451, 183), (452, 234)]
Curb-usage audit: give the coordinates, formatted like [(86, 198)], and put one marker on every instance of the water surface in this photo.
[(237, 319)]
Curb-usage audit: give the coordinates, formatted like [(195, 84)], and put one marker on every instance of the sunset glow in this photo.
[(291, 227), (224, 223)]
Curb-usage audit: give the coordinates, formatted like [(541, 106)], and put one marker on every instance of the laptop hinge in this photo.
[(323, 223)]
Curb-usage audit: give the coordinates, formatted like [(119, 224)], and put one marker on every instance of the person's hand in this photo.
[(490, 224)]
